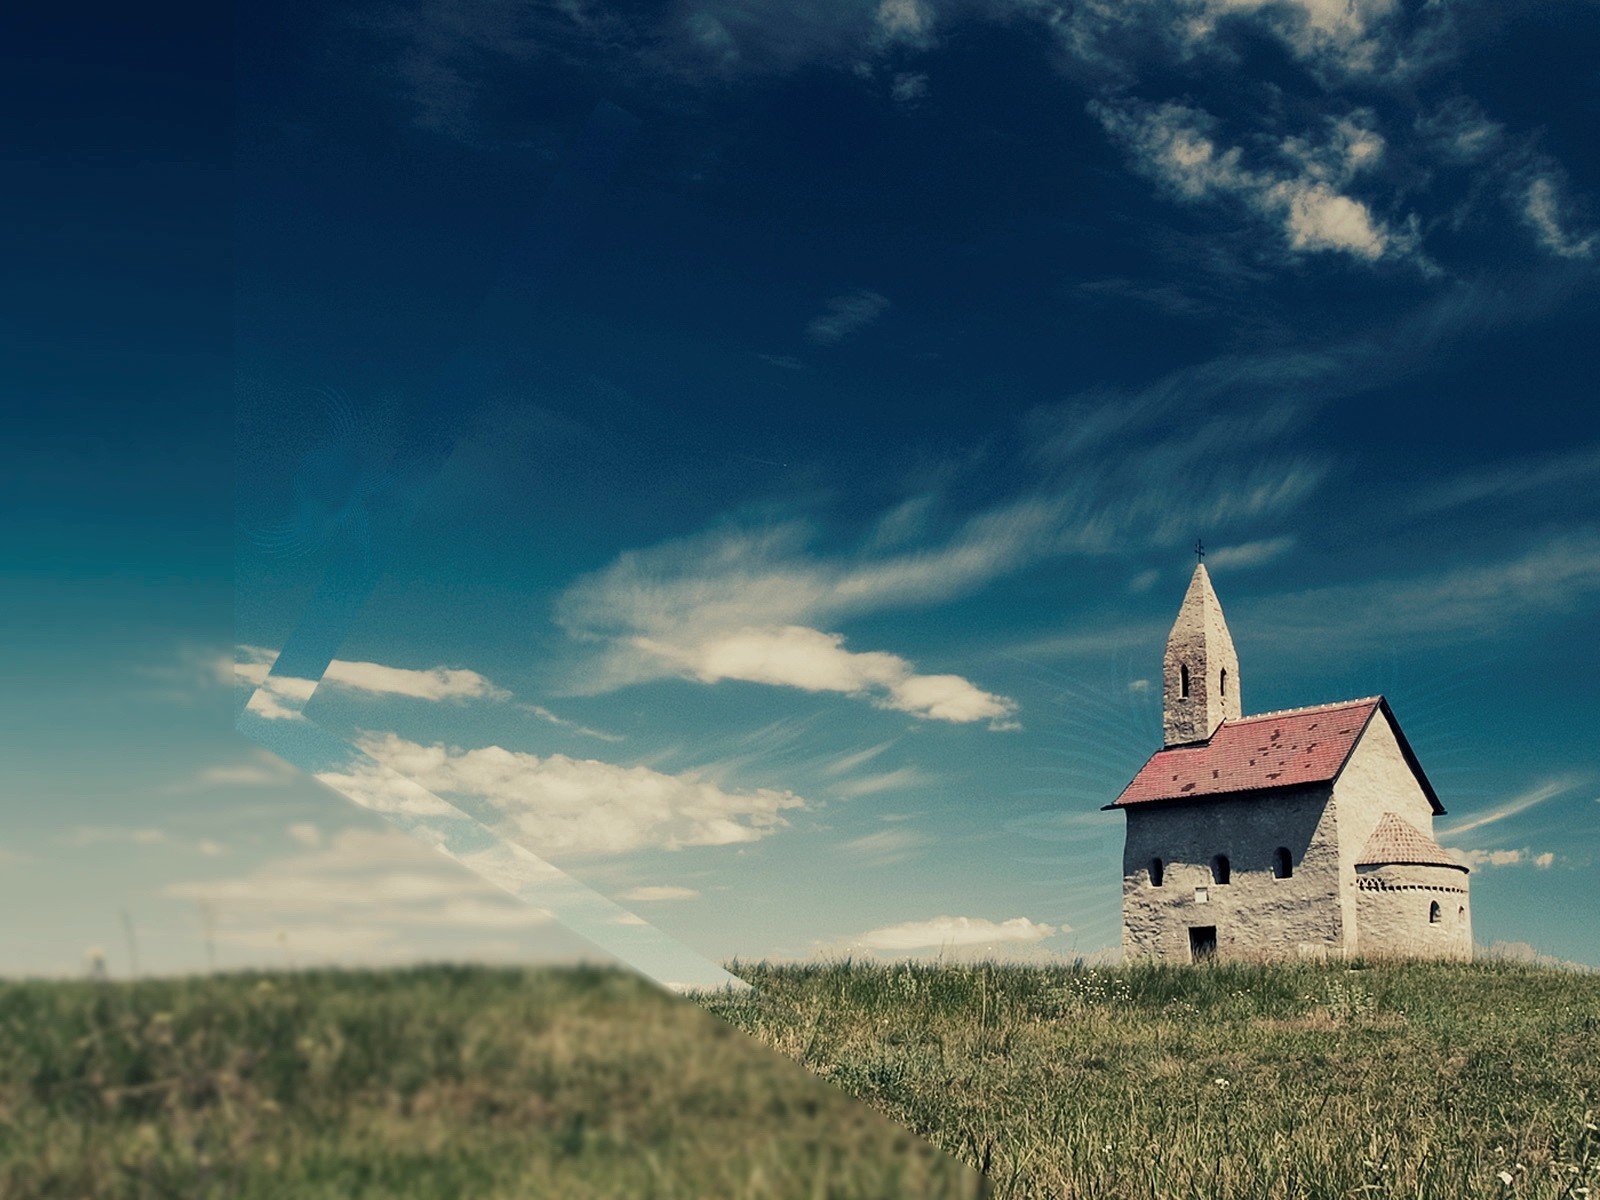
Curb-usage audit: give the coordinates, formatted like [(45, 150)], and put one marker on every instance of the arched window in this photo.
[(1433, 913), (1221, 869), (1461, 913), (1223, 690), (1183, 680), (1158, 871), (1282, 863)]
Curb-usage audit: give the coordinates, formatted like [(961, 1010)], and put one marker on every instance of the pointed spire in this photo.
[(1201, 668)]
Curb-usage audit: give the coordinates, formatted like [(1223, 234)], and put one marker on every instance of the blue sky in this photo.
[(772, 441)]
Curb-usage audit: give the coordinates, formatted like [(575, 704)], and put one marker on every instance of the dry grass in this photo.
[(437, 1083), (1228, 1083)]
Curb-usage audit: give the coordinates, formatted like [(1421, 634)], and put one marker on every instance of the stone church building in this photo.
[(1303, 832)]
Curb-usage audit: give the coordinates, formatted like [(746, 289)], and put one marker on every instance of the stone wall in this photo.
[(1377, 780), (1256, 915), (1394, 906)]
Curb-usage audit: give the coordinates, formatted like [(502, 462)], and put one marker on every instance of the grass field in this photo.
[(1218, 1083), (1296, 1081), (436, 1083)]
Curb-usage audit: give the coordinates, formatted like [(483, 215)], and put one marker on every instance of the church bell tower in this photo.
[(1200, 684)]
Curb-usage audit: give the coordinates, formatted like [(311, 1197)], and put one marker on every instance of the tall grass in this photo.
[(430, 1083), (1230, 1082)]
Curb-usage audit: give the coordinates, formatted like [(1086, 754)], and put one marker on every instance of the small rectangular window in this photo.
[(1202, 895)]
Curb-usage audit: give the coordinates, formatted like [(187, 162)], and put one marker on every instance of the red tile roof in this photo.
[(1398, 842), (1274, 750)]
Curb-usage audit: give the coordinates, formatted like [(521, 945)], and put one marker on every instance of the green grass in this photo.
[(1224, 1082), (429, 1083)]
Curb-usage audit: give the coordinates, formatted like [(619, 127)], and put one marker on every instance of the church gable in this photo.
[(1382, 771)]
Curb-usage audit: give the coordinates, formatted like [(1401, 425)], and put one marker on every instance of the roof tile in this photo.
[(1273, 750), (1398, 842)]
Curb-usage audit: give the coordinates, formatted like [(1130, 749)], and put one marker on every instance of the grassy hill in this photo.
[(1422, 1081), (439, 1083), (1426, 1081)]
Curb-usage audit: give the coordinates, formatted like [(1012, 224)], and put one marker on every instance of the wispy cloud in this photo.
[(90, 835), (560, 806), (659, 893), (885, 781), (845, 315), (1502, 858), (544, 714), (1512, 806), (1249, 554), (940, 932), (1548, 475), (846, 763), (887, 846), (259, 771), (143, 837), (1464, 601)]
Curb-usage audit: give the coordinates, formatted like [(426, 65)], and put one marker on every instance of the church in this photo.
[(1307, 832)]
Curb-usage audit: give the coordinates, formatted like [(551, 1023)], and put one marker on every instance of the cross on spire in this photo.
[(1199, 550)]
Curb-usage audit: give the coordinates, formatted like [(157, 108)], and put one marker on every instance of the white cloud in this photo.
[(909, 87), (1502, 858), (905, 20), (1301, 191), (305, 834), (940, 932), (1344, 36), (560, 805), (357, 897), (241, 775), (813, 661), (844, 315), (1545, 209), (1249, 554), (435, 683), (283, 697), (1522, 952), (657, 893)]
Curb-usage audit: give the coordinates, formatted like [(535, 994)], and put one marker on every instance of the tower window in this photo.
[(1433, 913), (1221, 869), (1158, 872), (1222, 691), (1282, 863), (1183, 681)]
